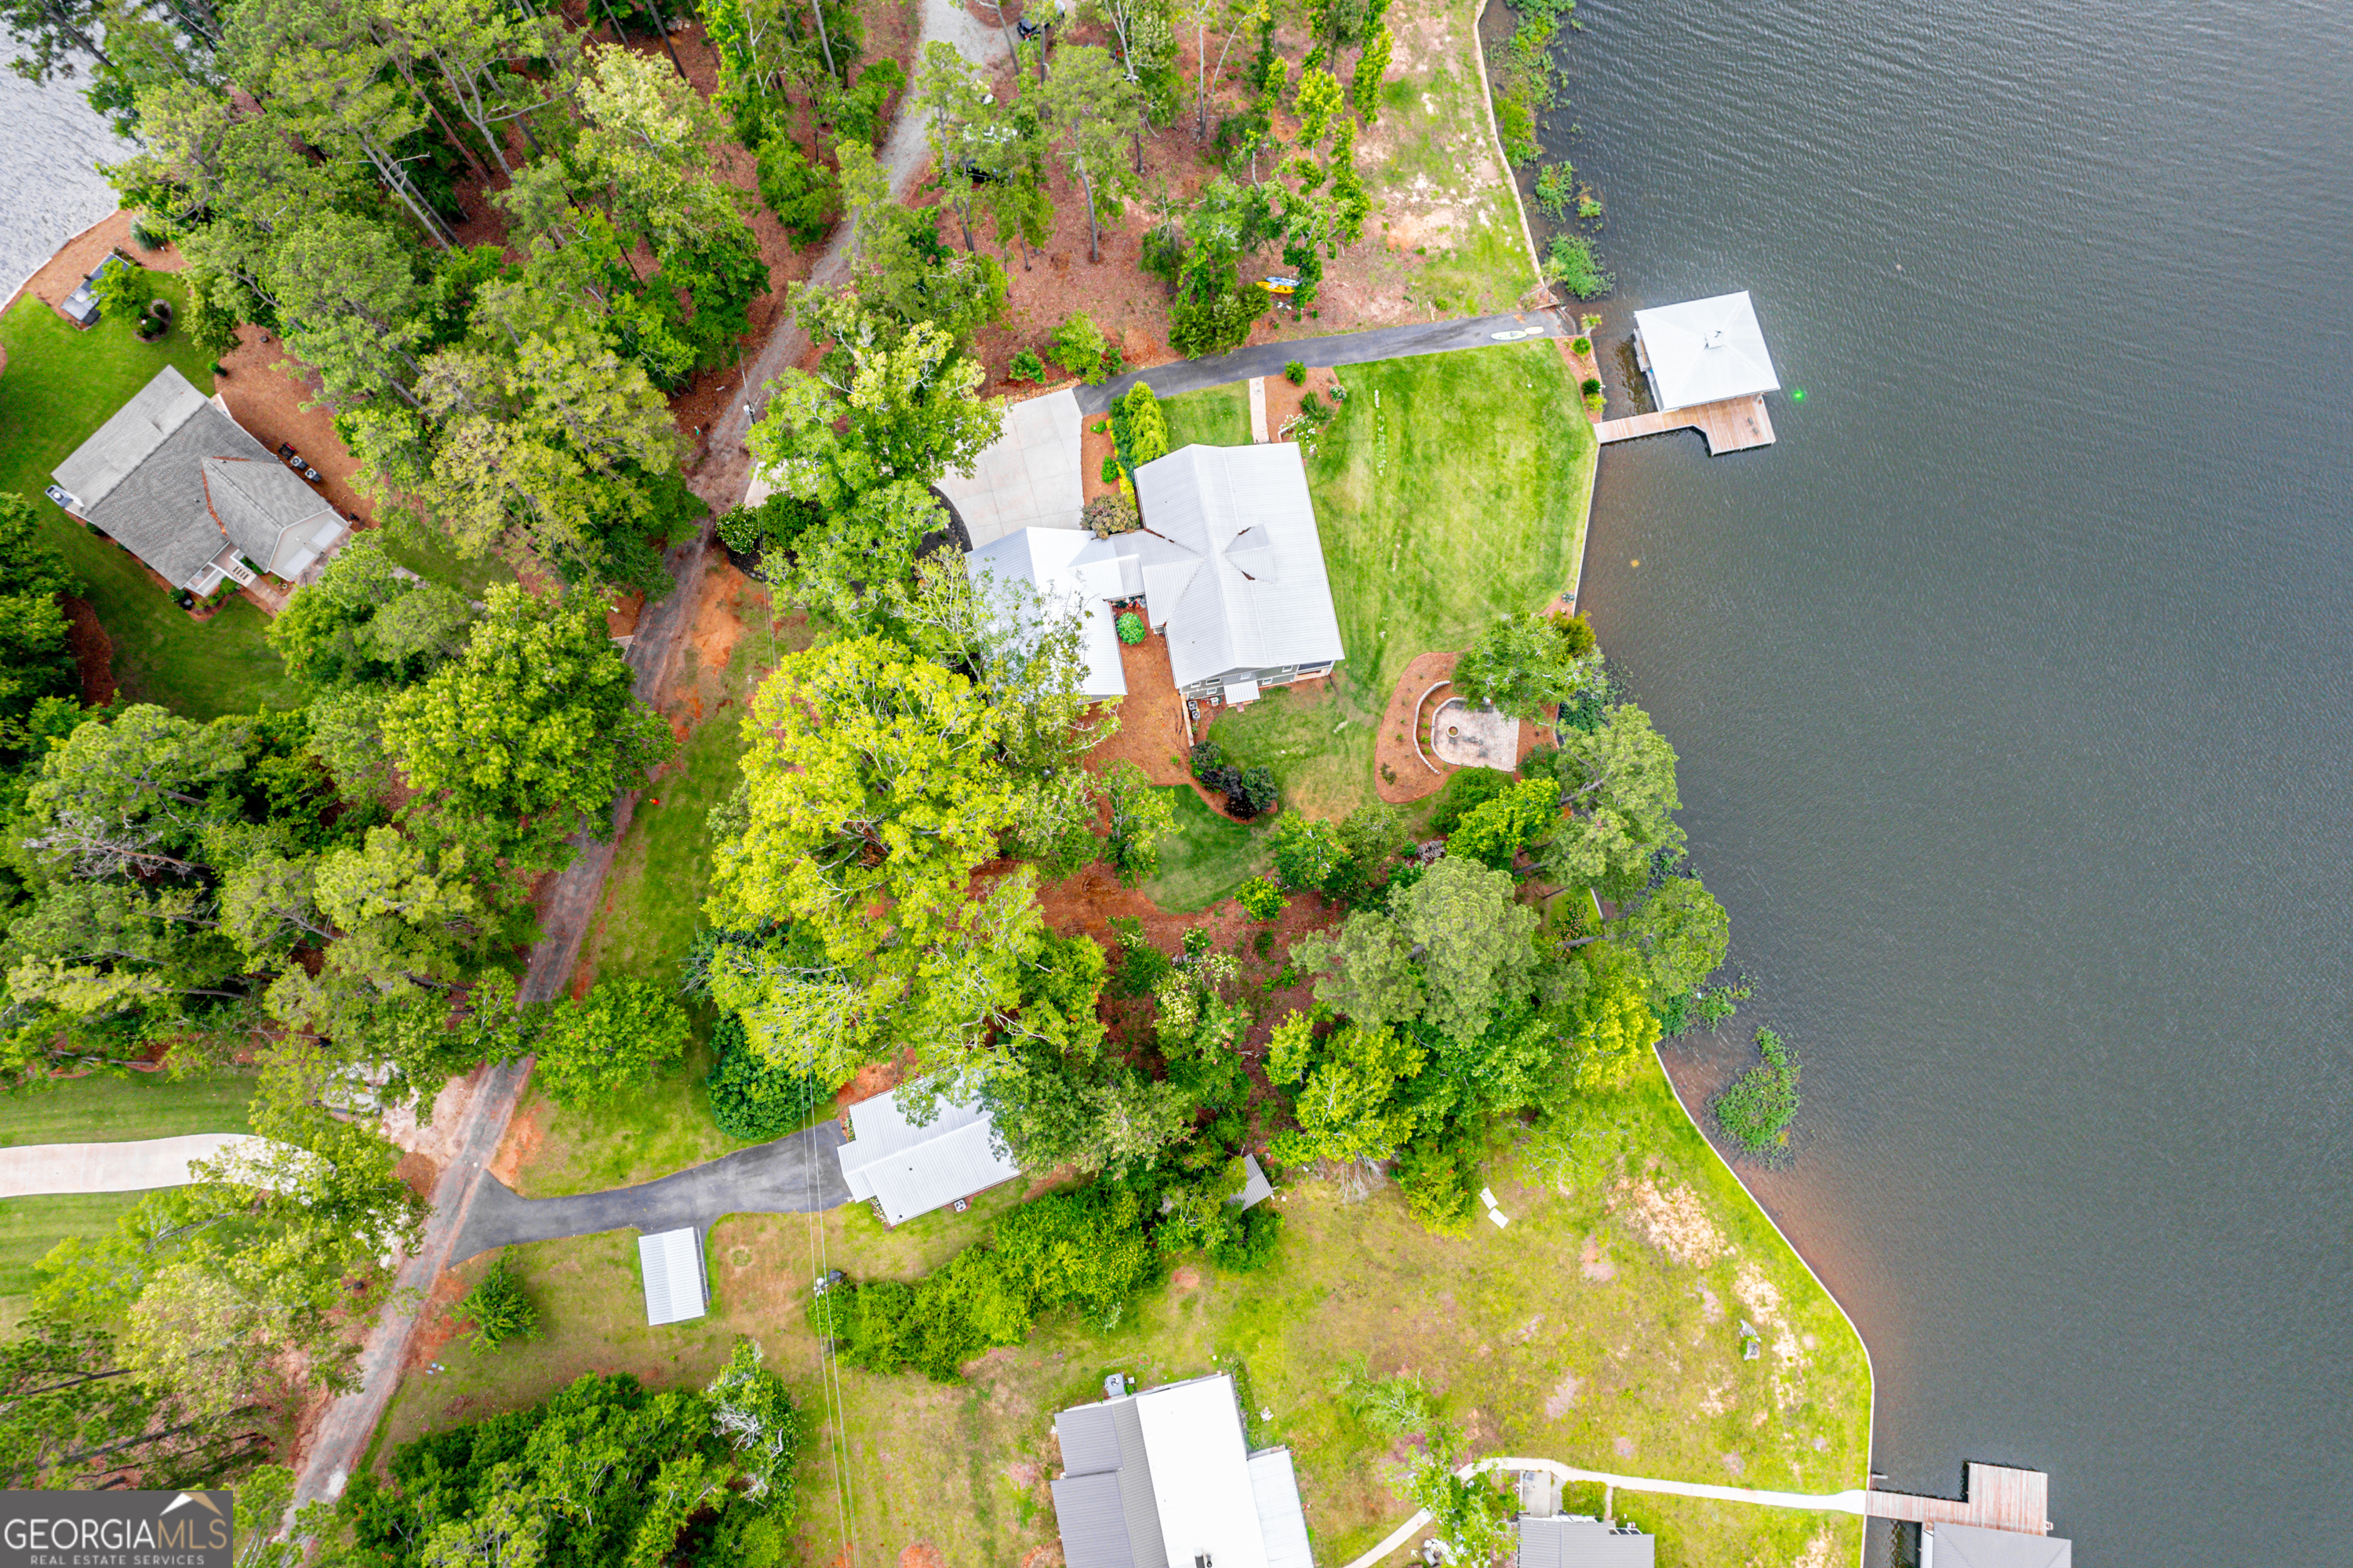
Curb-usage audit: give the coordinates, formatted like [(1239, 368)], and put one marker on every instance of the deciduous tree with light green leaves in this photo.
[(535, 728), (1448, 951), (588, 1048), (1678, 934), (1348, 1106), (1620, 784)]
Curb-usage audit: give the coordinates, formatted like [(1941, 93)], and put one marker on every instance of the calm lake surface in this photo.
[(2011, 690), (48, 190)]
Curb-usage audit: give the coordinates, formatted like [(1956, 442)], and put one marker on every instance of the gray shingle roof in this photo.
[(176, 480), (1237, 574)]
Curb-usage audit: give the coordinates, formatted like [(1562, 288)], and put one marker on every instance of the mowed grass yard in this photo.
[(1208, 857), (653, 905), (60, 386), (96, 1109), (1448, 487), (1600, 1330)]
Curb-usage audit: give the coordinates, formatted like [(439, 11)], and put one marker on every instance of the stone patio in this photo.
[(1465, 737)]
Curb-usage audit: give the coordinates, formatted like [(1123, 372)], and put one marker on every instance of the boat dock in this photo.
[(1995, 1497), (1734, 425)]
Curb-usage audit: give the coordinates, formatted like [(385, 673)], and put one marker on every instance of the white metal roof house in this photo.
[(910, 1170), (1574, 1541), (1164, 1479), (1703, 351), (1072, 571), (671, 1261), (1231, 568), (185, 488)]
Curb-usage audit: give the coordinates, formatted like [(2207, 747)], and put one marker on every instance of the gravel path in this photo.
[(1345, 348), (798, 1174)]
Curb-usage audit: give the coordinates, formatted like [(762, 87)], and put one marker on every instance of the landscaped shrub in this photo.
[(1139, 428), (1109, 514), (1464, 789), (1591, 384), (1580, 346), (1256, 792), (1205, 755), (498, 1308), (1026, 366), (1141, 966), (1758, 1109), (1261, 899), (754, 1098), (1078, 347), (149, 232), (1294, 372), (1110, 473), (1130, 626)]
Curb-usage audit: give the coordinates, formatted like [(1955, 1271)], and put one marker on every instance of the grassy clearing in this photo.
[(1603, 1328), (1450, 486), (1209, 857), (29, 1228), (430, 556), (101, 1109), (61, 384), (1213, 416), (653, 905)]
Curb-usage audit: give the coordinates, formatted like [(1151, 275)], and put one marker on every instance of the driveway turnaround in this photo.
[(1347, 348), (110, 1167), (798, 1174)]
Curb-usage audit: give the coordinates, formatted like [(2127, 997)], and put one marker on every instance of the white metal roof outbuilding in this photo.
[(672, 1264), (1703, 351), (911, 1170)]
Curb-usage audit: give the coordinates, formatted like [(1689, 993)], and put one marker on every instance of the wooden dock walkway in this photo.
[(1995, 1498), (1734, 425)]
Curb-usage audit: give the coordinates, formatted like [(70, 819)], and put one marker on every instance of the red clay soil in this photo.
[(520, 1145), (1284, 400), (1151, 717), (64, 272), (1399, 773), (1582, 368), (93, 652)]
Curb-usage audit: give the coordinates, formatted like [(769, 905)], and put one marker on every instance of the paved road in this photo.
[(134, 1167), (1347, 348), (795, 1175)]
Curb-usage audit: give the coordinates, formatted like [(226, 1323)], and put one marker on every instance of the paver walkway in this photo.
[(134, 1167), (798, 1174), (1344, 348)]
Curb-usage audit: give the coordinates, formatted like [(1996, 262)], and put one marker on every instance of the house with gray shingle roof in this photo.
[(185, 488)]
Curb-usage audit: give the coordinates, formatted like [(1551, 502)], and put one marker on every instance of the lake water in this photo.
[(2012, 689), (48, 190)]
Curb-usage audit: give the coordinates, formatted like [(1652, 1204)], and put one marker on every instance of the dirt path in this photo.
[(726, 472), (343, 1433)]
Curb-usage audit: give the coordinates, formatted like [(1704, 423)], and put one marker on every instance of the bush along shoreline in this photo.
[(1527, 82)]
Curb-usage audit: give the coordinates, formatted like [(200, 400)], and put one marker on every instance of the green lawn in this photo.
[(1451, 486), (1600, 1330), (1213, 416), (429, 556), (101, 1109), (29, 1228), (61, 383), (1209, 857)]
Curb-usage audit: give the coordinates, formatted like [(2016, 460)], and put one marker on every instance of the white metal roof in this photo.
[(1703, 351), (1233, 567), (1071, 571), (913, 1170), (1200, 1474), (1282, 1522), (671, 1261)]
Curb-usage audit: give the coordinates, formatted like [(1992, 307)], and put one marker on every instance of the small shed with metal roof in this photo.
[(671, 1261)]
